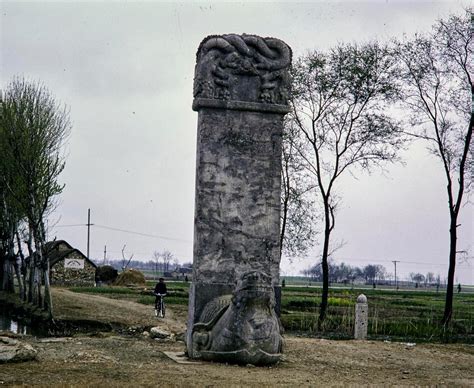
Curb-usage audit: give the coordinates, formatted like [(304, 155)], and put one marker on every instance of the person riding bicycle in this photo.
[(160, 292)]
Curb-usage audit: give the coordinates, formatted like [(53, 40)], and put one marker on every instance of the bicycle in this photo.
[(160, 305)]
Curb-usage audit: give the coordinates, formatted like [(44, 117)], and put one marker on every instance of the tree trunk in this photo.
[(23, 269), (2, 269), (46, 301), (39, 287), (325, 267), (286, 200), (9, 261), (36, 290), (448, 307), (283, 222), (20, 283), (8, 272), (47, 292), (31, 270)]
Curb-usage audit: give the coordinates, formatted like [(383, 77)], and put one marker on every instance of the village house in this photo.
[(68, 265)]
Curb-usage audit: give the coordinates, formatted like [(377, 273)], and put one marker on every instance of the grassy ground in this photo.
[(392, 314), (408, 315)]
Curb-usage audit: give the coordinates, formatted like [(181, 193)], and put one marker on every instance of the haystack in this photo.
[(130, 277)]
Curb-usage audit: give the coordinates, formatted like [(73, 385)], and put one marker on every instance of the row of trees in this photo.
[(344, 273), (163, 261), (33, 129), (355, 107), (427, 279), (369, 274)]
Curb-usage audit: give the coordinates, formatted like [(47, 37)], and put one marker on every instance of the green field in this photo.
[(408, 315), (396, 315)]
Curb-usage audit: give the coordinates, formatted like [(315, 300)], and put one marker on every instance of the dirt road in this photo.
[(108, 359), (71, 305)]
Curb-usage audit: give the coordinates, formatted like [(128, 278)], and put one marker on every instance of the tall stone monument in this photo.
[(241, 90)]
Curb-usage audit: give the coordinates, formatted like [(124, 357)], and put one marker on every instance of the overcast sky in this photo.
[(125, 70)]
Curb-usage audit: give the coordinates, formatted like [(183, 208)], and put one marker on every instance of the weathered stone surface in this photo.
[(361, 318), (13, 350), (161, 334), (69, 266), (244, 68), (61, 275), (243, 328), (237, 195), (240, 92)]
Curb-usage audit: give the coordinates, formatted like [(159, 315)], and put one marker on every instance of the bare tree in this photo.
[(417, 278), (429, 278), (339, 103), (438, 77), (372, 272), (166, 256), (157, 258), (125, 261), (298, 208)]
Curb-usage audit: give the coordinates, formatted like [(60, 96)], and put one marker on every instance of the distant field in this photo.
[(392, 314), (405, 314)]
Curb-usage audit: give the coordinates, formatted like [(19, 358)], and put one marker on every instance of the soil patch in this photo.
[(119, 360)]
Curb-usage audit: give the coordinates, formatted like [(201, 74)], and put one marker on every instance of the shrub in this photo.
[(106, 274)]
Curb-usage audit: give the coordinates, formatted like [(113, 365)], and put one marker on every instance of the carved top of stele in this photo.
[(242, 72)]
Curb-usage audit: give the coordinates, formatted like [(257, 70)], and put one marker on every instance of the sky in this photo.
[(125, 71)]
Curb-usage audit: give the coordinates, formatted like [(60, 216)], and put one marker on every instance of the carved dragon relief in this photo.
[(223, 62), (240, 328)]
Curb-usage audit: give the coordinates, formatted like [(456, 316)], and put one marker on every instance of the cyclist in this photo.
[(160, 292)]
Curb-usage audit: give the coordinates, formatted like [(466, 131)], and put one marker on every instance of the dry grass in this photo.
[(130, 277)]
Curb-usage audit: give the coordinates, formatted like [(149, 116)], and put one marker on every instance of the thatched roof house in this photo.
[(68, 265)]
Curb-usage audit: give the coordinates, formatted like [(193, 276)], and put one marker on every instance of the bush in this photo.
[(106, 274), (130, 276)]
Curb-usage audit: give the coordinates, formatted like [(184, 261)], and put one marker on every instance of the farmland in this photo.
[(404, 314)]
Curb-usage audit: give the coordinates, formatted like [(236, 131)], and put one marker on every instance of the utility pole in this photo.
[(88, 231), (105, 253), (395, 263)]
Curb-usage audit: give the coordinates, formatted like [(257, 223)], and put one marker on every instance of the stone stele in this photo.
[(241, 89)]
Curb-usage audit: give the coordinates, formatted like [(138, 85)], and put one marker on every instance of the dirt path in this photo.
[(72, 305), (108, 359)]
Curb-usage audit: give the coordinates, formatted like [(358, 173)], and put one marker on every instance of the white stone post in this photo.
[(361, 318)]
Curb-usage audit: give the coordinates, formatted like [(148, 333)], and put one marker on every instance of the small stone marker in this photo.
[(361, 318)]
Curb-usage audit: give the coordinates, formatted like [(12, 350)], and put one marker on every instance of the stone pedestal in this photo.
[(361, 318), (240, 93)]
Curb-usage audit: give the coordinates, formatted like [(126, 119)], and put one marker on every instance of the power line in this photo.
[(142, 234), (148, 254), (348, 260), (128, 231), (67, 226)]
